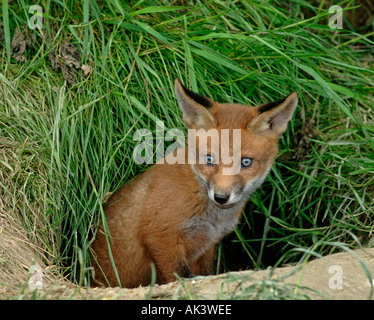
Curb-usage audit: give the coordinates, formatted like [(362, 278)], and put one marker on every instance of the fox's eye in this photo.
[(246, 162), (209, 159)]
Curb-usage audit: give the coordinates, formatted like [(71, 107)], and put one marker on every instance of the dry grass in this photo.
[(19, 250), (17, 253)]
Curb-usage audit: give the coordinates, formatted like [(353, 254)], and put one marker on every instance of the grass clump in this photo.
[(78, 128)]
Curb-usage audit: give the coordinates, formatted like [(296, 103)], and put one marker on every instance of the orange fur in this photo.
[(168, 215)]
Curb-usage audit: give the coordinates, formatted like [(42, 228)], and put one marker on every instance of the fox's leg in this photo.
[(169, 257), (204, 265)]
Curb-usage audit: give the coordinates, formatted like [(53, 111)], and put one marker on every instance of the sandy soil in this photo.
[(346, 275)]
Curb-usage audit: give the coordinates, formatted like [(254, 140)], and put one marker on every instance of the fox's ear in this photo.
[(274, 116), (195, 108)]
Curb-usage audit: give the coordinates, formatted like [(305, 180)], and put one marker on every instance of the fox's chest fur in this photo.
[(206, 229)]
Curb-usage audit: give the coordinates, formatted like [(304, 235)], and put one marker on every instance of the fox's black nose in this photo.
[(221, 198)]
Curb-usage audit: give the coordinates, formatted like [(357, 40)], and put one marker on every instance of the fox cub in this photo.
[(173, 215)]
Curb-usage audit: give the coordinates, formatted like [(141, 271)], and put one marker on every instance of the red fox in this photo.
[(173, 215)]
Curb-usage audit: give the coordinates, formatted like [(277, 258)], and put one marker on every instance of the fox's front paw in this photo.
[(185, 272)]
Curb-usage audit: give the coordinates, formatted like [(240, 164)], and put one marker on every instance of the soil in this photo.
[(345, 275)]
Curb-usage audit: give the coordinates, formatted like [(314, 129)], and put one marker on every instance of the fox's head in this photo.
[(235, 145)]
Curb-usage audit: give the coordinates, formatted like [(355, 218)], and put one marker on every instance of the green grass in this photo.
[(75, 143)]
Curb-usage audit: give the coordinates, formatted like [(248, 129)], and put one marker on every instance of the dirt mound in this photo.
[(22, 259), (346, 275), (21, 262)]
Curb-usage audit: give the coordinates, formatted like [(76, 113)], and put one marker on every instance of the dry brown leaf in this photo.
[(19, 44), (86, 70), (68, 61), (54, 61), (70, 55), (69, 74)]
